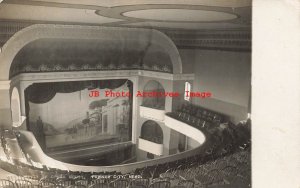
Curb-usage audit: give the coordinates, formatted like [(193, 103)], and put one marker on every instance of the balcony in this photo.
[(151, 147), (185, 129), (152, 113)]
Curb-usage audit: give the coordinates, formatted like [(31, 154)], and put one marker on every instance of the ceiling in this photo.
[(181, 20)]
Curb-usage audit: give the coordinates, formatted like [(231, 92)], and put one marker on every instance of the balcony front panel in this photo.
[(152, 113), (185, 129), (151, 147)]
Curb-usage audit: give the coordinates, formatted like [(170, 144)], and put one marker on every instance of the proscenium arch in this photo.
[(40, 31)]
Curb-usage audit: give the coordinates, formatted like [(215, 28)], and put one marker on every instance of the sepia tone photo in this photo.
[(125, 93)]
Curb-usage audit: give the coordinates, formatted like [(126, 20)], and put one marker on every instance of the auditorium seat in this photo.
[(226, 156), (77, 186), (211, 172), (99, 185), (138, 186), (6, 184), (81, 182), (46, 184), (216, 176), (23, 184), (186, 184), (160, 184), (119, 183), (65, 182), (204, 179), (229, 174), (139, 183)]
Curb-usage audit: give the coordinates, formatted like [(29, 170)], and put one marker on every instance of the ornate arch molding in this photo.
[(40, 31)]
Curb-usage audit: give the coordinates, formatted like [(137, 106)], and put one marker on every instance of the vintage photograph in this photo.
[(125, 93)]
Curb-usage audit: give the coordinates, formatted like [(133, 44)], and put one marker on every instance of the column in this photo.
[(135, 107), (23, 85), (5, 111)]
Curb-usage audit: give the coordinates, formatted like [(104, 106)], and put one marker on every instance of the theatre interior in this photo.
[(70, 72)]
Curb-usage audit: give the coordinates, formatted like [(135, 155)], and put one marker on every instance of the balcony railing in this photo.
[(185, 129), (152, 113), (151, 147)]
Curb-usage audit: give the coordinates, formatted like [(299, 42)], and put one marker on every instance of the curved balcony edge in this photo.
[(152, 113), (185, 129), (151, 147)]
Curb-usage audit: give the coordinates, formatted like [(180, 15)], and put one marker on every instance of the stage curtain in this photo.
[(44, 92), (40, 93)]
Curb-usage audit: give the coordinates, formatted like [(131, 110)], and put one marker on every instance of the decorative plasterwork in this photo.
[(119, 3), (91, 75), (188, 15), (7, 29), (233, 40), (39, 31), (86, 67), (62, 55), (180, 15), (187, 26), (126, 12), (237, 40)]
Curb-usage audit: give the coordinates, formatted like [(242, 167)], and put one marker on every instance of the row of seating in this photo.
[(10, 150), (201, 113), (226, 131), (217, 149), (101, 183), (223, 139), (226, 170)]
